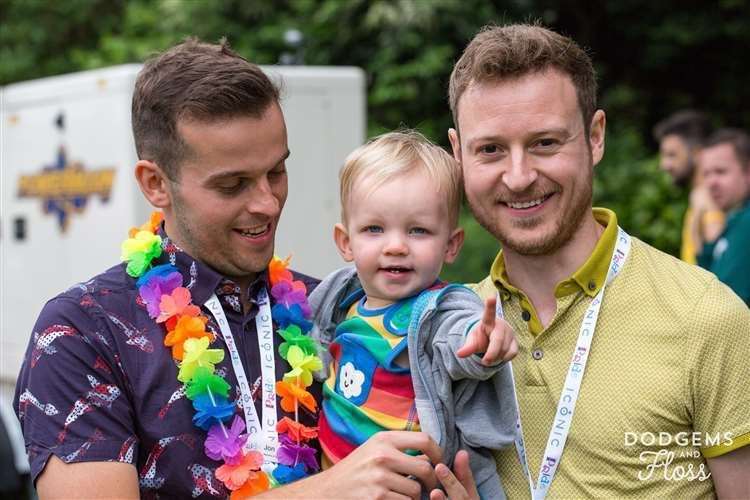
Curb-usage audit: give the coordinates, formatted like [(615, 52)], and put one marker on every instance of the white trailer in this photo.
[(68, 195)]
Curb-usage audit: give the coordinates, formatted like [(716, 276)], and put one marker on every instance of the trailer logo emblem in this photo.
[(65, 188)]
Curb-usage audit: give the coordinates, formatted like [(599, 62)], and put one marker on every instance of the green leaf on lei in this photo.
[(204, 381), (294, 336)]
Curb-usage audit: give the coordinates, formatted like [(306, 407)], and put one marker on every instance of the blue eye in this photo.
[(418, 230), (373, 229)]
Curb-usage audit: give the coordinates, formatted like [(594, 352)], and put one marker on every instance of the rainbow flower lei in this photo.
[(170, 304)]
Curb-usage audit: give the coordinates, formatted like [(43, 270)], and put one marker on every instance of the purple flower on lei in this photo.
[(161, 280), (229, 447), (284, 293), (292, 454)]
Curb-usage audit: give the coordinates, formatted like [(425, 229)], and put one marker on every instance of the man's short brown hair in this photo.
[(691, 126), (193, 81), (737, 138), (513, 51)]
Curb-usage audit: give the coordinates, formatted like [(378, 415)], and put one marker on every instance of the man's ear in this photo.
[(455, 242), (153, 183), (596, 136), (455, 143), (341, 237)]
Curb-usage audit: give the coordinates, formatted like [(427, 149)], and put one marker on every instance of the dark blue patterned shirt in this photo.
[(98, 384)]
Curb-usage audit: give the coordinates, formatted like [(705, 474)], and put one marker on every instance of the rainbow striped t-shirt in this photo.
[(367, 391)]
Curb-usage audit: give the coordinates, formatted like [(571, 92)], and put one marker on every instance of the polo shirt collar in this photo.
[(589, 277), (205, 280)]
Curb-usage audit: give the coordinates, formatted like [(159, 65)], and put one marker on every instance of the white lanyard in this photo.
[(569, 396), (261, 437)]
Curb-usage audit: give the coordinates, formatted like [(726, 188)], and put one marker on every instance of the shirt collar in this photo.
[(589, 277), (202, 279)]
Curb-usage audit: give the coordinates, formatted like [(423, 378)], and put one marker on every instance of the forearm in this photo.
[(87, 480), (731, 474)]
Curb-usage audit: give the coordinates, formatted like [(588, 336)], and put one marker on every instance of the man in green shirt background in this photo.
[(724, 164)]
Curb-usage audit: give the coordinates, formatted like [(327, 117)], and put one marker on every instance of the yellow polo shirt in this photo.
[(664, 387)]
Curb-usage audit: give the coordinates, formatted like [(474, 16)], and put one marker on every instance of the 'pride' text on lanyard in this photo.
[(569, 396), (261, 437)]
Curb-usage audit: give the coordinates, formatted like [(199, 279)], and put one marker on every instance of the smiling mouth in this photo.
[(521, 205), (396, 269), (255, 231)]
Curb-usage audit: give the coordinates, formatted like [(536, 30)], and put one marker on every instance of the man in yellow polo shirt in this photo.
[(633, 366)]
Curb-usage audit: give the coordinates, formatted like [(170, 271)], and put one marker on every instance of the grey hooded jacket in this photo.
[(461, 403)]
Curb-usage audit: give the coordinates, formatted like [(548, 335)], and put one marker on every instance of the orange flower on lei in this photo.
[(187, 327), (296, 431), (152, 225), (278, 270), (246, 470), (256, 483), (290, 393)]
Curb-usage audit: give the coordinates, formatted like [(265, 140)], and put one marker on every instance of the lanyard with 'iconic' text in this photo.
[(261, 437), (569, 396)]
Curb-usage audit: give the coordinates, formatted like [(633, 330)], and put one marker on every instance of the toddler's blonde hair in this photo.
[(395, 154)]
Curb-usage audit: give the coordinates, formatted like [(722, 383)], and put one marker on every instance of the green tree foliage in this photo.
[(652, 58)]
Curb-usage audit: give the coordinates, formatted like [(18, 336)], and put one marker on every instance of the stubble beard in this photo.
[(685, 178), (193, 244), (188, 239), (565, 226)]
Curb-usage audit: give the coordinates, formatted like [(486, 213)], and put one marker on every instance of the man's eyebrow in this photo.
[(530, 135), (240, 173), (551, 131), (483, 138)]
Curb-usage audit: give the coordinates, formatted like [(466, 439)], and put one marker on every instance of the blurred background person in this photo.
[(724, 166), (680, 136)]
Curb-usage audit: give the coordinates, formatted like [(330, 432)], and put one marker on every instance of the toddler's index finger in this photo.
[(488, 316)]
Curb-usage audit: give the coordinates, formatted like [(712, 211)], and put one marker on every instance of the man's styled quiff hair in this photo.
[(395, 154), (507, 52), (193, 81)]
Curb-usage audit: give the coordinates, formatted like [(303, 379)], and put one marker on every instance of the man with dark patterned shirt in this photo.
[(102, 410)]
